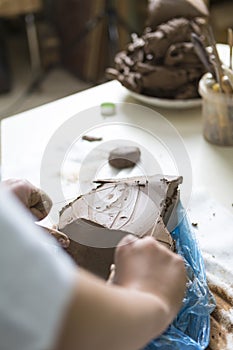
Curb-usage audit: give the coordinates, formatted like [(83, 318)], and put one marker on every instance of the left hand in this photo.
[(36, 200)]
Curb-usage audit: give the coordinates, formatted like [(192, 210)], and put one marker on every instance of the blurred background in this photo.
[(53, 48)]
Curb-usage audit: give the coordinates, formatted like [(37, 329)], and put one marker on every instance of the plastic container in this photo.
[(217, 112)]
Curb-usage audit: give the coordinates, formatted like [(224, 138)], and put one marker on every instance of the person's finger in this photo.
[(40, 203), (38, 214), (61, 237)]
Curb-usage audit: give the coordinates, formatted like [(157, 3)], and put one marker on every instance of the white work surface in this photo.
[(26, 135)]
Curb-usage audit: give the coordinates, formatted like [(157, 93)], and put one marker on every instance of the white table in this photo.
[(26, 136)]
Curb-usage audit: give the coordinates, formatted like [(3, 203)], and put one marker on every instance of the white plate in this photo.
[(224, 54), (166, 103)]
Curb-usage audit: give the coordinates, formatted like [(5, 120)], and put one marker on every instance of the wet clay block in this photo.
[(96, 221)]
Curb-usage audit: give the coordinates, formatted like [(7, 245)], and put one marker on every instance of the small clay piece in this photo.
[(91, 138), (124, 157)]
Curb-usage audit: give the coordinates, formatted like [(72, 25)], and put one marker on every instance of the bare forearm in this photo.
[(101, 316), (111, 317)]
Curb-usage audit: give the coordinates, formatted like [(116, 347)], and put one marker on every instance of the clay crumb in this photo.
[(91, 138)]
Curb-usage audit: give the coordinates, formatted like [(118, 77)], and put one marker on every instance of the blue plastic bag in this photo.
[(191, 328)]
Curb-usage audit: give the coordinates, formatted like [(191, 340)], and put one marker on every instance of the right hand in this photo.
[(146, 265)]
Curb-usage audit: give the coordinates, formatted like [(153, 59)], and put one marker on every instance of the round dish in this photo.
[(166, 103)]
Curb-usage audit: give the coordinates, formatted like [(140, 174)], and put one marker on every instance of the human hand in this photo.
[(146, 265), (36, 200)]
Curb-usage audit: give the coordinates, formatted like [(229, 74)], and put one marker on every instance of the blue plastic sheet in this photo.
[(191, 328)]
